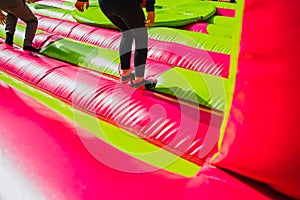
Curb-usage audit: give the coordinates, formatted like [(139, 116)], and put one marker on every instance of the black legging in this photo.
[(129, 17)]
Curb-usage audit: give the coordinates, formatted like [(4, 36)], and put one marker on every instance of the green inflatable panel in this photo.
[(179, 15), (85, 55), (200, 88), (223, 31)]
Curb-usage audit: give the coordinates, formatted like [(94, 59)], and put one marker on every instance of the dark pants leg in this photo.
[(129, 17), (18, 9)]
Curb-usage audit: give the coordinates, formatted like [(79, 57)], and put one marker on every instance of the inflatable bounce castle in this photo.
[(220, 124)]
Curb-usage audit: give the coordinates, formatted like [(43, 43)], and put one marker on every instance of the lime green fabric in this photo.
[(223, 31), (197, 87), (88, 56), (223, 21)]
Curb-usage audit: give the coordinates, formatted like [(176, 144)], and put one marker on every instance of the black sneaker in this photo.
[(30, 48)]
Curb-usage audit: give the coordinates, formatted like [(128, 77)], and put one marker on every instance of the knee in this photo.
[(127, 35), (32, 20)]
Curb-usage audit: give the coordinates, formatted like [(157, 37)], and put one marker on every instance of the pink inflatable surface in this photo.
[(42, 155)]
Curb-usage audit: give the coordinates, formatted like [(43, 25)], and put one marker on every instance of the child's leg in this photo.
[(23, 12)]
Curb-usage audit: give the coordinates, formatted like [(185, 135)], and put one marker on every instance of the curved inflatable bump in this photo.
[(95, 58), (164, 16), (261, 139), (27, 68), (190, 58), (48, 26), (192, 39)]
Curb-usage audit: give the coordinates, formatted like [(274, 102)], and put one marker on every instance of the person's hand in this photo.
[(150, 18), (80, 5), (2, 18)]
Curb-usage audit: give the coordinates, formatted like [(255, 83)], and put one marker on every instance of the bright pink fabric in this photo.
[(200, 27), (46, 152), (262, 136), (226, 12)]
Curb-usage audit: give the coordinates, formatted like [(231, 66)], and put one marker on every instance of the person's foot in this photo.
[(144, 84), (31, 48), (127, 78), (9, 43), (9, 40)]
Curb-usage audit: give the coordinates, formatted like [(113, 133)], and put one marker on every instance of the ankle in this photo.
[(125, 72)]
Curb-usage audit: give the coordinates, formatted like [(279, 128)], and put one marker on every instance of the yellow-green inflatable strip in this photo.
[(204, 89)]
